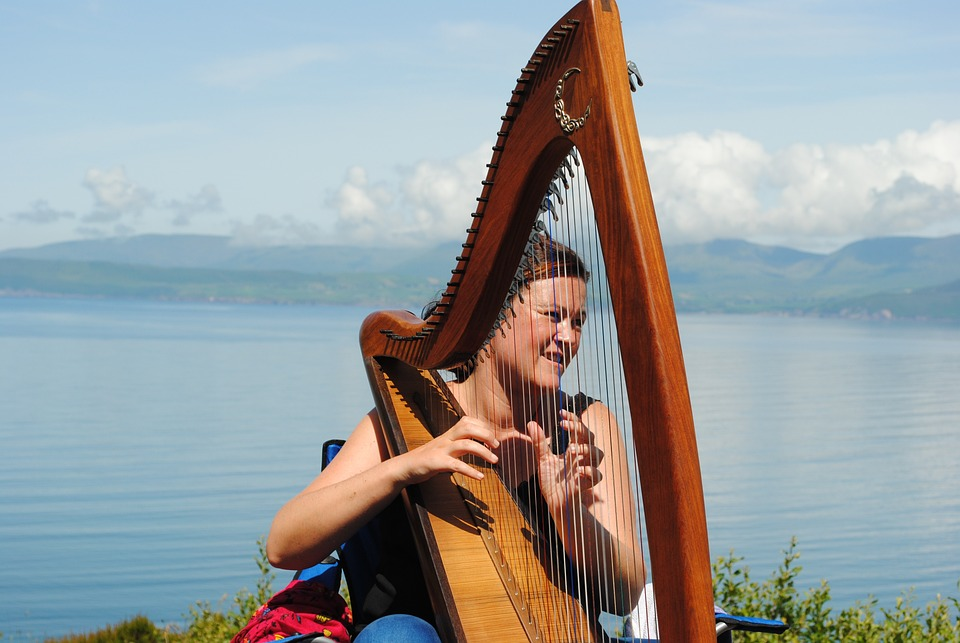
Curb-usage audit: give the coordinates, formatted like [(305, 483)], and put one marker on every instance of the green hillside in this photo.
[(939, 302), (908, 277), (109, 280)]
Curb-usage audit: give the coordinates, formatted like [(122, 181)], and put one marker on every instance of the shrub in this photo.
[(809, 615), (209, 625), (811, 619)]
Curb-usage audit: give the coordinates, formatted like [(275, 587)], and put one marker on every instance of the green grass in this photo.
[(809, 613)]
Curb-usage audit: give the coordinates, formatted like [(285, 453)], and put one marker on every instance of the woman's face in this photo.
[(544, 336)]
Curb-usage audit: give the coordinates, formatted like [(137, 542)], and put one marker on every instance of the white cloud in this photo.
[(121, 207), (91, 232), (427, 203), (443, 195), (424, 204), (809, 196), (206, 200), (115, 195), (724, 185), (121, 202), (41, 212), (246, 72), (705, 187), (363, 209)]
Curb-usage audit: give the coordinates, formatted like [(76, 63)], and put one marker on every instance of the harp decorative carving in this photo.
[(477, 581)]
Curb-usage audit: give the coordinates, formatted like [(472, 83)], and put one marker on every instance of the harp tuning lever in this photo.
[(634, 74)]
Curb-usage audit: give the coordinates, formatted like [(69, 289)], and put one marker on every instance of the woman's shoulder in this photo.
[(362, 450), (367, 437)]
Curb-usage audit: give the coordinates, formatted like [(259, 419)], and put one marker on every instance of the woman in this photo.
[(568, 448)]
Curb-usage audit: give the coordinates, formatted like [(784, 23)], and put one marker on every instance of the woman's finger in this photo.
[(461, 448), (474, 429), (576, 429), (539, 439)]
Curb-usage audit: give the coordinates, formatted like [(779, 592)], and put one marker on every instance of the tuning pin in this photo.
[(634, 74)]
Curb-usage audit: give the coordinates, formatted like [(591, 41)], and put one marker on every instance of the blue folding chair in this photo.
[(356, 561)]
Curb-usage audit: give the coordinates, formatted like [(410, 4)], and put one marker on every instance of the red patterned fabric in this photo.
[(302, 607)]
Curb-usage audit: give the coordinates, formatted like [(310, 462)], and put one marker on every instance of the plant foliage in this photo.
[(808, 613), (812, 620)]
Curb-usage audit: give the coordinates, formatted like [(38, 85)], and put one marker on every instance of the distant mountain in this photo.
[(738, 276), (939, 303), (899, 276), (217, 252), (98, 279)]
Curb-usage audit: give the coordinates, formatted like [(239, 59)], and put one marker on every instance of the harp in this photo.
[(571, 104)]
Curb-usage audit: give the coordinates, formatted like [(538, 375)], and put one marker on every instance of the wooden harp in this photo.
[(573, 97)]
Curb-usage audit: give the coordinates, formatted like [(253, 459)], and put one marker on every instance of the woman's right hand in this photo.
[(444, 453)]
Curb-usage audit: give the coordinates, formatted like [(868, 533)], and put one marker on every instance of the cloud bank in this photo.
[(726, 185), (721, 185), (121, 207), (115, 195), (427, 203), (705, 187), (41, 213)]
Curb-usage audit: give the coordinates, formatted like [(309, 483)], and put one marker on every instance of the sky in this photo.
[(804, 123)]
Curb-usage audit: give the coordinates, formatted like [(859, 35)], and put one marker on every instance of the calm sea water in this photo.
[(146, 446)]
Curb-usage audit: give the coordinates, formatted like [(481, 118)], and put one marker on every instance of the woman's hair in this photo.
[(545, 258), (548, 258)]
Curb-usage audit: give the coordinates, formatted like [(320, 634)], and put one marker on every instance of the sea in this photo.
[(145, 447)]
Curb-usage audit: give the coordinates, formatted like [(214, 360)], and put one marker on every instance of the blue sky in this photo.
[(804, 123)]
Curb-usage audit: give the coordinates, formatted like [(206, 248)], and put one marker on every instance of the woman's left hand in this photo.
[(568, 476)]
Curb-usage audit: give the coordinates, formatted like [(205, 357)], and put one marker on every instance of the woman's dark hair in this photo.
[(548, 258), (545, 259)]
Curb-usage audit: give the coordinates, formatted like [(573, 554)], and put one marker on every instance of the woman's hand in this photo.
[(444, 453), (565, 478), (593, 513)]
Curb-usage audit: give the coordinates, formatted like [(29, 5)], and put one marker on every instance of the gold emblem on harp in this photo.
[(568, 124)]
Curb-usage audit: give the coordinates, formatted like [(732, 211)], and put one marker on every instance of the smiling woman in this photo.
[(560, 454), (556, 280), (546, 333)]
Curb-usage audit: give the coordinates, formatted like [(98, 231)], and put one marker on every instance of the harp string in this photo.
[(596, 371), (586, 40), (563, 297), (598, 355), (560, 218)]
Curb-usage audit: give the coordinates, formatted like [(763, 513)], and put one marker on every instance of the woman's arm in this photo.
[(360, 482)]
